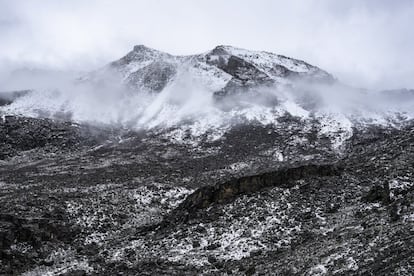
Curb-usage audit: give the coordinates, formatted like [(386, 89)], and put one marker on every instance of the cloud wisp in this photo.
[(189, 106)]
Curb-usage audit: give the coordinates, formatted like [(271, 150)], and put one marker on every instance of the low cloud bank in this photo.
[(186, 102)]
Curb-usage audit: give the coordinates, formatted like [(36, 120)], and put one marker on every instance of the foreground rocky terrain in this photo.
[(81, 200)]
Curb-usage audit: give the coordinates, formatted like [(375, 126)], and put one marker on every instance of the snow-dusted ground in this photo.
[(99, 207)]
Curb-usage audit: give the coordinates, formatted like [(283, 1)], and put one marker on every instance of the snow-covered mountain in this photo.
[(244, 163), (223, 69)]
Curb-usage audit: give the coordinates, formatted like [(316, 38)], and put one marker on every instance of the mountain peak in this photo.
[(227, 50), (142, 48), (221, 50), (224, 68)]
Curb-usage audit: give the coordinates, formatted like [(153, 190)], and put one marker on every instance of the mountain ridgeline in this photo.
[(225, 69)]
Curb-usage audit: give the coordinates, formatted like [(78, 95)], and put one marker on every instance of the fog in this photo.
[(185, 104)]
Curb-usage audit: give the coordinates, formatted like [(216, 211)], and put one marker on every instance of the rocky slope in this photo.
[(283, 188), (142, 204)]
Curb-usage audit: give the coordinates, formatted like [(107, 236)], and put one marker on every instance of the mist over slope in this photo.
[(229, 161), (208, 93)]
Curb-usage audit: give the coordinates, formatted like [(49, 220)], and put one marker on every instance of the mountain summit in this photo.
[(223, 70)]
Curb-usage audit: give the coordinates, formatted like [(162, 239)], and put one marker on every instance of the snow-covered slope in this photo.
[(223, 69)]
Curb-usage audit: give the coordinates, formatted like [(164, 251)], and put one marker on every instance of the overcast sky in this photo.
[(363, 43)]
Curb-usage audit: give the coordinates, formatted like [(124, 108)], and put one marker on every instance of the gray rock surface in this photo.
[(72, 204)]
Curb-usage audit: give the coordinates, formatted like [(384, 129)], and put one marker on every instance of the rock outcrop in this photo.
[(227, 192)]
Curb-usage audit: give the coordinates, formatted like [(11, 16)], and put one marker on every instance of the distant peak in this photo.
[(141, 48), (222, 50)]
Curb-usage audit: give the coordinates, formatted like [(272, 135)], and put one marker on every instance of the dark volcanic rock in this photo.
[(230, 190), (378, 194), (241, 70)]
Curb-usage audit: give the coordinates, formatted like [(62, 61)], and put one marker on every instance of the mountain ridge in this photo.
[(224, 69)]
